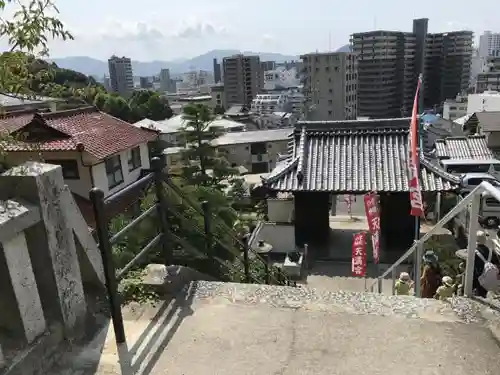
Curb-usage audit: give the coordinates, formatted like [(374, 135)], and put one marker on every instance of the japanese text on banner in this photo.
[(373, 219), (358, 266)]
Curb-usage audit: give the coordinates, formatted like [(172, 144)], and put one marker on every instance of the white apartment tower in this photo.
[(330, 86), (489, 44), (121, 75)]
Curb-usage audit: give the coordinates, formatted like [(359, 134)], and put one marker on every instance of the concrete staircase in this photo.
[(214, 328)]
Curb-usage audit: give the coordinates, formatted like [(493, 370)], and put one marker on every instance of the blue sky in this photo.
[(166, 30)]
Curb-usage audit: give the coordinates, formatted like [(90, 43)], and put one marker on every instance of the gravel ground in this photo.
[(457, 309)]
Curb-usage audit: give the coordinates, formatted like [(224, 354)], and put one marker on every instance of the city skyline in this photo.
[(185, 29)]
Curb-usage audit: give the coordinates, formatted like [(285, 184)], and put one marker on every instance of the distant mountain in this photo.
[(346, 48), (99, 68)]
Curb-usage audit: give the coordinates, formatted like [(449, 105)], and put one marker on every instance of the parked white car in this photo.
[(490, 207), (471, 180)]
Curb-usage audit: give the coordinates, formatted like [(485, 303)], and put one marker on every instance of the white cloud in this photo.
[(145, 40)]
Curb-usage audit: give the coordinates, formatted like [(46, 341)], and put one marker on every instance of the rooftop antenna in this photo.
[(329, 41)]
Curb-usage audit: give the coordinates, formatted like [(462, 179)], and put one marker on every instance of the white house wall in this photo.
[(101, 180)]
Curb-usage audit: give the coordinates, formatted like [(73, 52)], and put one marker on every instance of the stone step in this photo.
[(225, 328)]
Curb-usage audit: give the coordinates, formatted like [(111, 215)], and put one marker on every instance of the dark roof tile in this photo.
[(467, 147), (354, 156), (102, 135)]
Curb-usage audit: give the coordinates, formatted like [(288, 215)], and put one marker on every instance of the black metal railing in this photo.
[(240, 250), (238, 259)]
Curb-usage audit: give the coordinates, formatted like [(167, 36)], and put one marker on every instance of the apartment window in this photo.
[(114, 171), (134, 159), (330, 102), (327, 68), (330, 113), (69, 168)]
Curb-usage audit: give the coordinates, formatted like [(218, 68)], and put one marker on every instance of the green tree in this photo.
[(238, 193), (27, 33), (100, 99), (149, 104), (200, 155), (118, 107)]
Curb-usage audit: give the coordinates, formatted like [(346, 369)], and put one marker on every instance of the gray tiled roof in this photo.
[(468, 147), (489, 121), (354, 156), (266, 135)]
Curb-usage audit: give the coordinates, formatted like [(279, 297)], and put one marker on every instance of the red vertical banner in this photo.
[(414, 183), (358, 265), (372, 212)]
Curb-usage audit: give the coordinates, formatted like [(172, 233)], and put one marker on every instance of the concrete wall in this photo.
[(280, 210), (43, 239), (240, 154)]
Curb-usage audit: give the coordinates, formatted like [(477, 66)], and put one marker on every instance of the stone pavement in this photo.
[(227, 329)]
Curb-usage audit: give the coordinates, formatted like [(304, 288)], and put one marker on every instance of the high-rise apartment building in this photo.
[(388, 66), (166, 83), (489, 44), (448, 58), (330, 86), (120, 75), (390, 62), (217, 72), (242, 79)]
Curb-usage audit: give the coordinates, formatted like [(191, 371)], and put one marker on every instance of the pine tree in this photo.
[(204, 164)]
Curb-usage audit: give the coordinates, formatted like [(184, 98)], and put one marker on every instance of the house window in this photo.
[(114, 171), (69, 168), (258, 148), (134, 158)]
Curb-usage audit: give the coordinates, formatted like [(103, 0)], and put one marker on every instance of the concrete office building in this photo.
[(121, 75), (489, 44), (330, 86), (489, 78), (242, 79)]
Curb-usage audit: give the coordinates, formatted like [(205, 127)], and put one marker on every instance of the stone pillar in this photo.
[(21, 314), (50, 242)]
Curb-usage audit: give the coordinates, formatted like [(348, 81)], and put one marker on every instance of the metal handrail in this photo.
[(185, 244), (133, 223), (236, 254), (143, 181), (144, 251), (461, 205), (222, 224)]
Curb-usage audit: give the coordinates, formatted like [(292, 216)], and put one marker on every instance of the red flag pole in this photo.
[(414, 175), (415, 154)]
